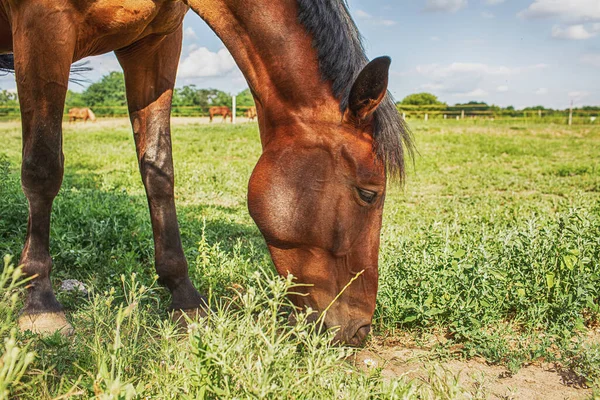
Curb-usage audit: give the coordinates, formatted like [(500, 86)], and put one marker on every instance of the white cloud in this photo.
[(361, 14), (578, 10), (493, 2), (189, 33), (444, 71), (502, 89), (541, 91), (435, 38), (473, 93), (445, 5), (487, 15), (573, 32), (578, 95), (591, 59), (432, 86), (202, 63), (474, 42)]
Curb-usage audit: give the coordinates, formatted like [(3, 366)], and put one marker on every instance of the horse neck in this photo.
[(275, 54)]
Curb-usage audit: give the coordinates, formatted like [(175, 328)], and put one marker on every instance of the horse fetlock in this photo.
[(184, 296)]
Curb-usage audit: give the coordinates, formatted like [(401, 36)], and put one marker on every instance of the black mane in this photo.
[(341, 58), (7, 63)]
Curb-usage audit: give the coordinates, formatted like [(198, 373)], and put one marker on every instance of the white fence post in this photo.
[(233, 110), (571, 114)]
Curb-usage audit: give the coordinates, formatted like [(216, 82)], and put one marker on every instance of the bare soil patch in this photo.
[(481, 380)]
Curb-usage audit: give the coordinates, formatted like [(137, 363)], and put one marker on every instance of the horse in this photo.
[(220, 110), (81, 113), (251, 113), (331, 138)]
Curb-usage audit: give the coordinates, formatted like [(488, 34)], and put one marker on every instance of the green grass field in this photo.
[(492, 246)]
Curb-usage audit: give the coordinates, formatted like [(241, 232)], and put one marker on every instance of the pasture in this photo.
[(490, 252)]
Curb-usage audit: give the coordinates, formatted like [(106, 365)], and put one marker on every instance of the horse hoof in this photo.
[(181, 317), (46, 323)]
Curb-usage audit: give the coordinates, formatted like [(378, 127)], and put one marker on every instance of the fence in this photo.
[(474, 112), (577, 116), (8, 113)]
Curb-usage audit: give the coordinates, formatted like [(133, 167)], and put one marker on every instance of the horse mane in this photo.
[(341, 58), (7, 65)]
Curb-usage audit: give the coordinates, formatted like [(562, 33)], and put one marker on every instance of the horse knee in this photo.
[(42, 171)]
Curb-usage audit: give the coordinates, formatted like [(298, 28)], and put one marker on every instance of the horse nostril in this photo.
[(362, 333)]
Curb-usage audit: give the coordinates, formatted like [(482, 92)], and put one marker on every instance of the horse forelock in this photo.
[(341, 58)]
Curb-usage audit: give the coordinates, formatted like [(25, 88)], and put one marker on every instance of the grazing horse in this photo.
[(81, 113), (330, 136), (220, 110), (251, 113)]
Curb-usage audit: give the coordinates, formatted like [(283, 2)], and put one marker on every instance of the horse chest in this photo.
[(108, 25)]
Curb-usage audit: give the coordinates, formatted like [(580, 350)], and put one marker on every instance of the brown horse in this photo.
[(329, 130), (220, 110), (81, 113), (251, 113)]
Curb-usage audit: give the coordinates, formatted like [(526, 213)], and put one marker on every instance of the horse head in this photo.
[(317, 196)]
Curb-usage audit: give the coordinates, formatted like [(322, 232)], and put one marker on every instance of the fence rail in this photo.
[(577, 116), (13, 112)]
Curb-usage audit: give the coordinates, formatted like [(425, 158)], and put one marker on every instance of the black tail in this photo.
[(7, 65)]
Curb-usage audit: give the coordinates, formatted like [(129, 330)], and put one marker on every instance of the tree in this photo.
[(421, 99), (186, 96), (216, 97), (472, 106), (8, 98), (535, 108), (244, 98), (74, 99), (110, 91), (189, 96)]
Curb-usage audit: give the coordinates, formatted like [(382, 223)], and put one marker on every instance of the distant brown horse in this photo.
[(81, 113), (329, 130), (251, 113), (220, 110)]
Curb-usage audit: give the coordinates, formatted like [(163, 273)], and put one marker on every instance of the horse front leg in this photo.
[(150, 67), (42, 62)]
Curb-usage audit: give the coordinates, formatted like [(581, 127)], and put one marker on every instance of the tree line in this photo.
[(429, 102), (107, 97), (109, 93)]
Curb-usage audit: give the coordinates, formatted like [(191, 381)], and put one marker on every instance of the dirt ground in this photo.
[(544, 381)]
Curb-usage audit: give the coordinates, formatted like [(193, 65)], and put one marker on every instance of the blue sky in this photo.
[(505, 52)]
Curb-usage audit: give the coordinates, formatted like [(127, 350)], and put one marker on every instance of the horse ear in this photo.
[(369, 88)]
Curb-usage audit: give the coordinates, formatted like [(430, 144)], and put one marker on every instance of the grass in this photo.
[(493, 244)]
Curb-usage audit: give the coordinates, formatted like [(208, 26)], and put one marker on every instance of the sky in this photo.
[(505, 52)]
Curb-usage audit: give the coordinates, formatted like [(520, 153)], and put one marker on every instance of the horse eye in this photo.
[(367, 196)]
